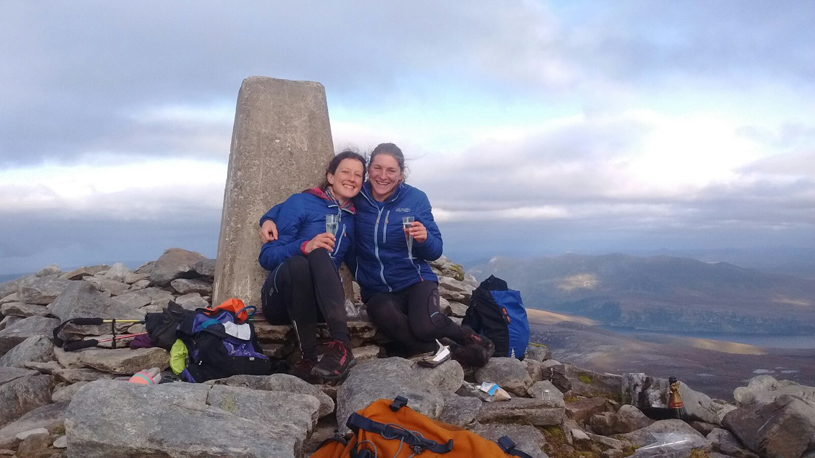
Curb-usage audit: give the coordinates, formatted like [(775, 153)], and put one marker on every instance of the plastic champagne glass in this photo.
[(407, 221), (332, 223)]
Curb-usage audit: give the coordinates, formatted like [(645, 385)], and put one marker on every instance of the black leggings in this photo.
[(303, 291), (412, 317)]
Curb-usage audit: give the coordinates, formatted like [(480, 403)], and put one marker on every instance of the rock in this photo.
[(534, 369), (294, 413), (191, 301), (35, 445), (67, 392), (526, 438), (114, 287), (547, 391), (538, 353), (646, 392), (555, 372), (174, 263), (23, 310), (82, 272), (9, 298), (176, 419), (627, 419), (279, 382), (50, 270), (133, 278), (273, 333), (580, 410), (118, 272), (40, 290), (125, 361), (457, 309), (536, 412), (386, 378), (8, 374), (447, 377), (725, 442), (50, 417), (23, 435), (22, 395), (664, 437), (205, 268), (8, 321), (36, 348), (81, 300), (590, 383), (784, 427), (460, 410), (11, 287), (23, 329), (764, 389), (186, 286), (135, 299), (81, 375), (365, 353), (509, 373), (61, 442)]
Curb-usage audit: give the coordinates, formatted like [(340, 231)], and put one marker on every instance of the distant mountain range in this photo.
[(661, 293)]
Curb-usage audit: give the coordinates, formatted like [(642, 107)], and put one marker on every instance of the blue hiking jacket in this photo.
[(380, 264), (298, 220)]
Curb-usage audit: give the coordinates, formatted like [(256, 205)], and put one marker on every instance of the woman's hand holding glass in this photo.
[(324, 240), (416, 230)]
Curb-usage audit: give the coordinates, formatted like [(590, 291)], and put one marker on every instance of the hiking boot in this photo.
[(472, 355), (335, 363), (303, 370), (472, 337)]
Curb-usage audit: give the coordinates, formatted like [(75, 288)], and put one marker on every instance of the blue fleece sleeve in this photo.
[(431, 249), (289, 218), (271, 214)]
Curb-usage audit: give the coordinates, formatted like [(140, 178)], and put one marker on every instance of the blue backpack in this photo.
[(499, 313)]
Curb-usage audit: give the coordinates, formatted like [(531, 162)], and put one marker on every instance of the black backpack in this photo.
[(499, 313)]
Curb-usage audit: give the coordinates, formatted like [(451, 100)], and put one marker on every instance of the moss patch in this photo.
[(585, 379)]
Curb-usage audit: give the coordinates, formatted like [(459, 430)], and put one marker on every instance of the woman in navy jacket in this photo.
[(303, 285), (401, 294)]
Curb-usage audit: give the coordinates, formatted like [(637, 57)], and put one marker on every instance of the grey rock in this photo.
[(273, 333), (7, 374), (50, 270), (205, 268), (295, 414), (174, 263), (61, 442), (365, 353), (51, 417), (527, 438), (460, 410), (81, 299), (191, 301), (35, 444), (627, 419), (125, 361), (114, 287), (40, 290), (112, 418), (279, 382), (25, 434), (23, 310), (139, 284), (555, 372), (784, 427), (9, 297), (23, 395), (605, 441), (763, 389), (447, 377), (36, 348), (386, 379), (67, 392), (665, 435), (11, 286), (81, 375), (538, 353), (644, 391), (186, 286), (580, 410), (135, 299), (456, 309), (118, 272), (534, 369), (133, 278), (590, 383), (547, 391), (509, 373), (82, 272), (536, 412), (69, 359), (23, 329), (725, 442), (8, 321)]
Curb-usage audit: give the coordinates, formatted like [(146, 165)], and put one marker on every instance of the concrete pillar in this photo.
[(281, 143)]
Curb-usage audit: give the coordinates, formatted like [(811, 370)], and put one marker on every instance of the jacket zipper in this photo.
[(376, 250)]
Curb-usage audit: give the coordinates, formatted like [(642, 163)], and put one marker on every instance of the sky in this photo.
[(535, 128)]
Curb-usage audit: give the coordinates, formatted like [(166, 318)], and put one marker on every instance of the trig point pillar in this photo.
[(281, 143)]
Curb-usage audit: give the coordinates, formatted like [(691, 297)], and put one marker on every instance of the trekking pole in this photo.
[(80, 344), (59, 342)]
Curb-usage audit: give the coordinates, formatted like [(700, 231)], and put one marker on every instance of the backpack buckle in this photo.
[(398, 403)]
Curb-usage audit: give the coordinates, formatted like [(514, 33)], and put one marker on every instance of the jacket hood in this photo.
[(330, 198)]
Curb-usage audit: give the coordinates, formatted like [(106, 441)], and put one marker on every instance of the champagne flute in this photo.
[(332, 223), (407, 221)]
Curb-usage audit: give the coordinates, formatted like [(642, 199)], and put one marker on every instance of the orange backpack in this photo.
[(241, 311), (388, 429)]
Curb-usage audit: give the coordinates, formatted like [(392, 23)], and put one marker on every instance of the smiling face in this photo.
[(384, 175), (346, 181)]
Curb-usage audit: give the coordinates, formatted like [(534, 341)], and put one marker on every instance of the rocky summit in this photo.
[(55, 403)]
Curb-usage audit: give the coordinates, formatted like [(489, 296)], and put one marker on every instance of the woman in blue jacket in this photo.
[(401, 291), (303, 286)]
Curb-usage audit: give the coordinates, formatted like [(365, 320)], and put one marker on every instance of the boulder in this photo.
[(447, 377), (49, 416), (547, 391), (763, 389), (627, 419), (537, 412), (186, 286), (534, 369), (65, 393), (279, 382), (82, 272), (191, 301), (135, 299), (40, 290), (784, 427), (555, 372), (81, 300), (509, 373), (460, 410), (538, 352), (23, 310), (10, 287), (386, 378), (526, 438), (580, 410), (113, 418), (22, 395), (124, 361), (174, 263), (725, 442), (589, 383), (25, 328), (664, 437), (646, 392), (36, 348), (205, 268), (118, 272)]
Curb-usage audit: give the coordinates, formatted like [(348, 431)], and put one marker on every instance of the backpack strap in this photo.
[(508, 446), (392, 431)]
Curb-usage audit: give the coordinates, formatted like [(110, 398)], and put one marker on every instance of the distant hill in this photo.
[(661, 293)]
